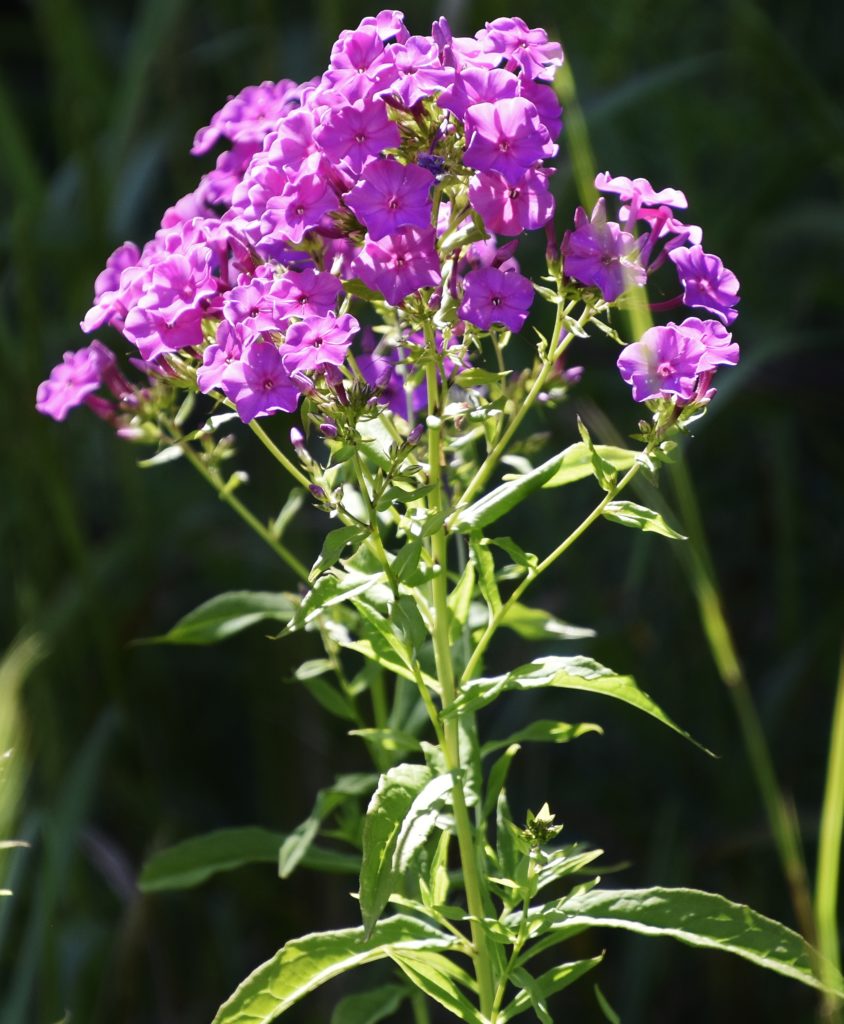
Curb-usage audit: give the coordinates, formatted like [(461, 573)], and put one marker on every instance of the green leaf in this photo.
[(606, 1009), (437, 976), (547, 984), (497, 778), (225, 615), (304, 964), (576, 462), (535, 997), (700, 919), (487, 582), (369, 1007), (537, 624), (195, 860), (500, 500), (407, 560), (330, 590), (421, 819), (460, 599), (575, 673), (297, 844), (543, 731), (397, 789), (333, 546), (628, 513)]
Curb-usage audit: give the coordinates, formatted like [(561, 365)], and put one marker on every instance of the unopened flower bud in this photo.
[(415, 434), (297, 438), (328, 430)]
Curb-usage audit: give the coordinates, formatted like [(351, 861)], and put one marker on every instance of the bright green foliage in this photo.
[(227, 614), (305, 964), (197, 859)]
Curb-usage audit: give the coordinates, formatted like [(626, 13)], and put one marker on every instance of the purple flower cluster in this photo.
[(366, 174), (388, 182), (674, 361)]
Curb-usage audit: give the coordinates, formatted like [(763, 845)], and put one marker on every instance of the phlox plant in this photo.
[(349, 272)]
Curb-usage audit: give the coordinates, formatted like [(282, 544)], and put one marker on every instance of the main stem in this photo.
[(472, 880)]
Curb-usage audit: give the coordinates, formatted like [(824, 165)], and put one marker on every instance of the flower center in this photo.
[(665, 369)]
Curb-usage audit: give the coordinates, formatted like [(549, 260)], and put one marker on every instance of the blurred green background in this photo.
[(120, 750)]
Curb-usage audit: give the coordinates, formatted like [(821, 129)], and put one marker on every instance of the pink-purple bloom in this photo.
[(707, 284), (391, 195), (74, 380), (676, 361), (492, 296), (509, 209), (599, 253), (261, 383), (506, 136), (400, 264)]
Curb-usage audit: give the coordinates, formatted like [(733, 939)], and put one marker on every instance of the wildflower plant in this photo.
[(349, 271)]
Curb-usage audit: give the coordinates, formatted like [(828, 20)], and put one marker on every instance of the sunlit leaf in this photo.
[(227, 614), (575, 673), (390, 803), (304, 964), (628, 513)]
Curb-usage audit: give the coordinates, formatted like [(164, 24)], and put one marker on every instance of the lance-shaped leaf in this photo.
[(576, 462), (297, 844), (195, 860), (390, 803), (628, 513), (439, 978), (575, 673), (501, 499), (543, 731), (537, 624), (227, 614), (421, 819), (369, 1007), (696, 918), (306, 963), (547, 984)]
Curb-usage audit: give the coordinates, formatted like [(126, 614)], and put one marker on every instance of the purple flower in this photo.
[(303, 293), (677, 361), (510, 209), (478, 85), (318, 342), (76, 377), (491, 296), (355, 133), (706, 282), (506, 136), (664, 364), (219, 358), (153, 334), (528, 48), (411, 71), (600, 254), (639, 191), (260, 383), (399, 264), (721, 350), (390, 196), (302, 204)]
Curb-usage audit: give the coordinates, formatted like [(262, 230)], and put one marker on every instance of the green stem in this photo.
[(780, 816), (236, 504), (472, 878), (532, 574), (829, 851), (278, 454), (556, 348)]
